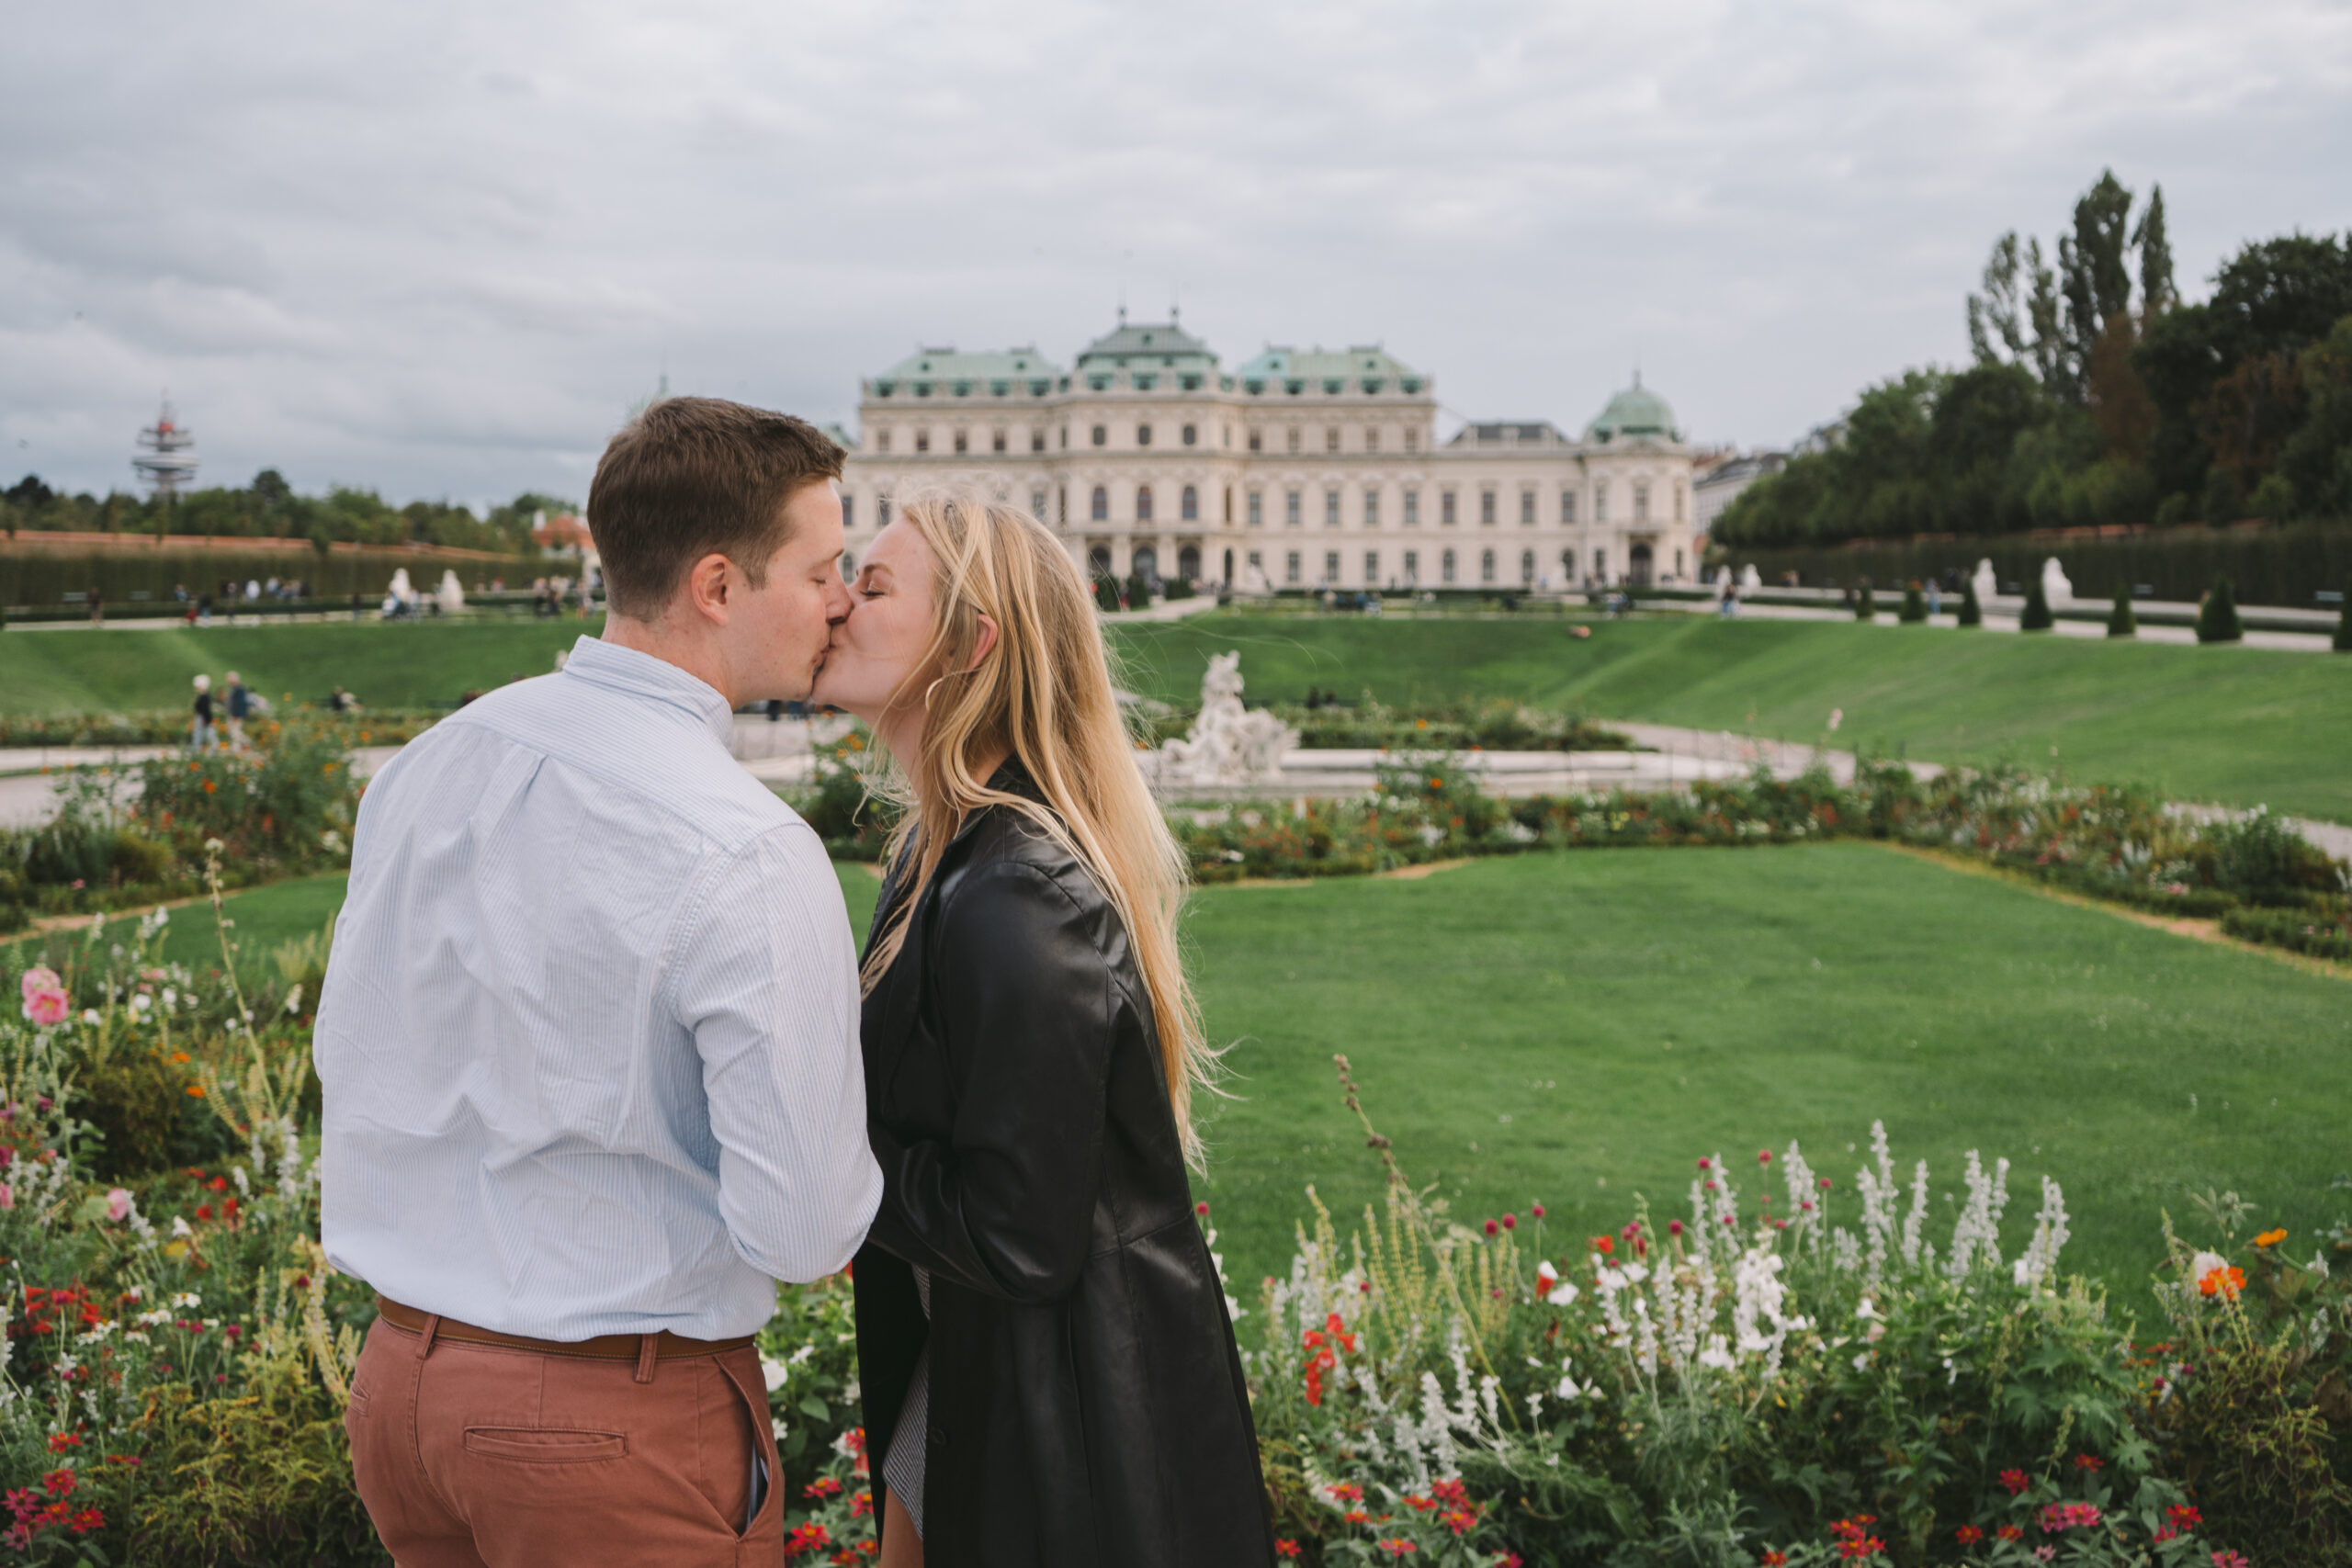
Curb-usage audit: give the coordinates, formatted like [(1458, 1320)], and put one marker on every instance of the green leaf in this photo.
[(815, 1408)]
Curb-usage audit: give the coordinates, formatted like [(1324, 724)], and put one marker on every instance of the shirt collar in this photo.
[(619, 669)]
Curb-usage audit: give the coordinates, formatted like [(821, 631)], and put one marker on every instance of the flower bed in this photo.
[(1788, 1367), (169, 726)]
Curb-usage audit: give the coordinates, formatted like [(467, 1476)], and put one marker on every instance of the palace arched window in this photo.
[(1143, 503), (1101, 509), (1445, 566), (1485, 565), (1526, 566), (1188, 507), (1188, 562)]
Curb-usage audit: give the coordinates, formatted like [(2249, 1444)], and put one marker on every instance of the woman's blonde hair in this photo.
[(1043, 694)]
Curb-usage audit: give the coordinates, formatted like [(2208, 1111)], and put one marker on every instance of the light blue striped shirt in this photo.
[(589, 1035)]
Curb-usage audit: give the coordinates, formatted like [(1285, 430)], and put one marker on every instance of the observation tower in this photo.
[(167, 463)]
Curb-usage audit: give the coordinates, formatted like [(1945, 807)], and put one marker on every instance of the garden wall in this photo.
[(38, 578)]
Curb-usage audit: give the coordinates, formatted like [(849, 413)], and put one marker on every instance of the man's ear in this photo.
[(708, 588), (987, 644)]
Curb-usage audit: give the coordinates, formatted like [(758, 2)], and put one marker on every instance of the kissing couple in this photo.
[(601, 1064)]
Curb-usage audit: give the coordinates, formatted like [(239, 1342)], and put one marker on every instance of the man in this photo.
[(199, 734), (589, 1046), (241, 703)]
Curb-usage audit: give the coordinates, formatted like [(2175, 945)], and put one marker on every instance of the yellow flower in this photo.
[(2271, 1238)]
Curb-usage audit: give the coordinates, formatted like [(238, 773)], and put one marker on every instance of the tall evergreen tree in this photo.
[(2095, 279), (1972, 614), (2344, 620), (2157, 294), (1995, 318), (2122, 621), (2049, 335), (2036, 615), (2217, 618)]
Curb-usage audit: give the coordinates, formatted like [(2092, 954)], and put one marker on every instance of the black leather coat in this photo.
[(1087, 1405)]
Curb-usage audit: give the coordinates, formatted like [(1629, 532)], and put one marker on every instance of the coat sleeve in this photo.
[(1027, 1003)]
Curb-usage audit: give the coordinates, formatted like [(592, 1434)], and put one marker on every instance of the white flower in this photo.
[(171, 998), (1545, 1275), (1866, 1310), (1863, 1362), (2204, 1263), (294, 1000), (1563, 1294), (1716, 1355), (1635, 1273), (774, 1373), (180, 1227), (89, 1015), (1567, 1389), (141, 1003), (186, 1297)]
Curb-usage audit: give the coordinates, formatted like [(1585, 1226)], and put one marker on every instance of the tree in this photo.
[(1865, 602), (2094, 280), (2122, 621), (1999, 313), (2157, 294), (1106, 592), (2036, 616), (1972, 614), (2317, 458), (2217, 617), (2344, 620), (2041, 309), (1914, 604), (270, 488)]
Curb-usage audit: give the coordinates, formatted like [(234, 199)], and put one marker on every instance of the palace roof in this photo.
[(1367, 368), (948, 373), (1636, 411)]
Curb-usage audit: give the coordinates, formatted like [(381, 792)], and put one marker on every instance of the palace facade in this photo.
[(1298, 470)]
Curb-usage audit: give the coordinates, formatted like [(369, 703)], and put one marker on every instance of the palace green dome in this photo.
[(1635, 412)]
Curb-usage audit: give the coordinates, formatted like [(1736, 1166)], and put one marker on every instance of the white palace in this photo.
[(1298, 470)]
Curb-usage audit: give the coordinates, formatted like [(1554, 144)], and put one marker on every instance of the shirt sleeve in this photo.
[(767, 985)]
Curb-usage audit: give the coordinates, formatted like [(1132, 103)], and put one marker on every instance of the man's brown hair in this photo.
[(692, 477)]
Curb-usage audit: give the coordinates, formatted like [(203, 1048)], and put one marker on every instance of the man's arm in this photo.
[(767, 984)]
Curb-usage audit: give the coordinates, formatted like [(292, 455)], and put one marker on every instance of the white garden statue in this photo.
[(2055, 587), (1228, 744), (452, 597), (1750, 578), (1983, 582)]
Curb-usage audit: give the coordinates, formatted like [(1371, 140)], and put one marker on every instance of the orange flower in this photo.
[(196, 1091), (2225, 1282), (2271, 1238)]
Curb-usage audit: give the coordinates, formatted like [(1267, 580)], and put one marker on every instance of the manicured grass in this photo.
[(1669, 1003), (2233, 724), (421, 664), (261, 922), (1577, 1028)]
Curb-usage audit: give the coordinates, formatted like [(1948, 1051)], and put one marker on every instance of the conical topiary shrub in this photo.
[(1865, 602), (1106, 594), (2217, 618), (1915, 604), (2344, 622), (2120, 620), (2036, 616), (1972, 614)]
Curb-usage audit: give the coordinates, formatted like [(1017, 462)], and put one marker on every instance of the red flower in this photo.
[(1706, 1165), (808, 1538), (1492, 1227), (1202, 1207), (1287, 1549), (1345, 1492), (2007, 1532), (1763, 1156), (1674, 1227), (1510, 1221), (1604, 1244), (2015, 1481), (1774, 1559), (1398, 1548), (1537, 1210), (823, 1486), (1968, 1535), (204, 1211), (60, 1442), (2087, 1461), (2184, 1516)]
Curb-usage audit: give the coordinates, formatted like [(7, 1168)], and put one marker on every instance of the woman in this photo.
[(1049, 1371)]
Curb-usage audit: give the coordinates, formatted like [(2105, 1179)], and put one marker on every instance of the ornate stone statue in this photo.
[(1228, 744)]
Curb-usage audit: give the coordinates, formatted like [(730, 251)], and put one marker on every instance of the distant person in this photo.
[(204, 611), (340, 701), (199, 735), (1935, 598), (97, 606), (240, 707)]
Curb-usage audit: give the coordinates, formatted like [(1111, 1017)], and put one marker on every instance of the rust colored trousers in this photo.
[(490, 1456)]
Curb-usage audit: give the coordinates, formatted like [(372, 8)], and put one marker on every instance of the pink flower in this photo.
[(46, 1003), (8, 1196), (119, 1203)]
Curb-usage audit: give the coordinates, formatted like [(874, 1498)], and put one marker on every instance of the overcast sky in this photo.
[(439, 250)]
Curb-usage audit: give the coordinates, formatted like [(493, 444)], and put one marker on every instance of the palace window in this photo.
[(1641, 501), (1412, 439), (1331, 508), (1189, 506), (1036, 441), (1527, 509), (1192, 436), (1485, 565), (1372, 569), (1101, 509), (1445, 509), (849, 510), (1412, 509), (1601, 566), (963, 441), (1486, 508), (1331, 439), (1291, 518), (882, 510), (1101, 435), (1371, 508), (1372, 438), (1257, 439), (1257, 563), (1143, 503), (849, 567), (1412, 567), (1290, 568), (1037, 504), (1061, 505), (1228, 506), (1065, 438), (1678, 511), (1600, 500), (1188, 562), (1257, 509), (1445, 566), (1293, 438), (1526, 568), (1330, 567), (1567, 507), (1143, 435), (996, 441), (1567, 568), (922, 440), (882, 440)]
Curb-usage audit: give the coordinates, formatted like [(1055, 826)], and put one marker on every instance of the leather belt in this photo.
[(666, 1345)]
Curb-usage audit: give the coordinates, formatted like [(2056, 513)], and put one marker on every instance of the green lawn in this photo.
[(260, 922), (2234, 725), (420, 664), (1672, 1003)]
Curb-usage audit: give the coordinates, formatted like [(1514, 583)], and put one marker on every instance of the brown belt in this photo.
[(666, 1346)]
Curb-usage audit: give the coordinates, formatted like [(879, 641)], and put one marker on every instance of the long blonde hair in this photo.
[(1043, 694)]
